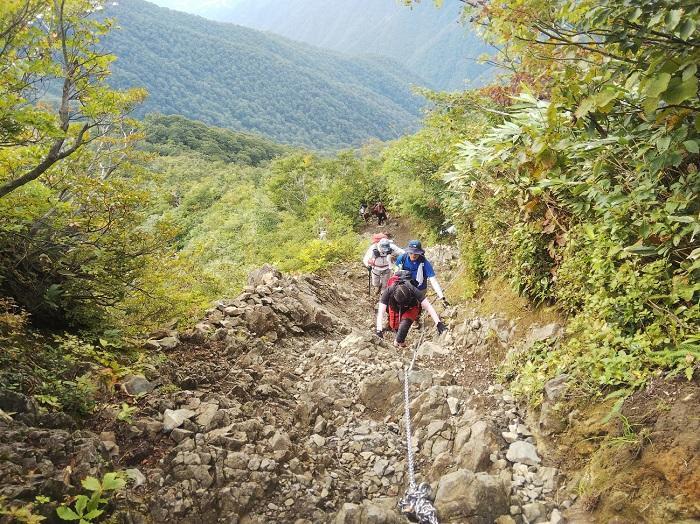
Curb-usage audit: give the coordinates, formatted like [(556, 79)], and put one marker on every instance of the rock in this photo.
[(17, 403), (556, 517), (318, 440), (546, 477), (267, 275), (523, 452), (166, 343), (505, 519), (535, 512), (174, 418), (137, 385), (475, 453), (429, 349), (379, 514), (356, 339), (380, 391), (453, 404), (261, 320), (280, 441), (555, 388), (206, 411), (542, 333), (553, 418), (349, 514), (466, 495), (380, 466), (179, 434), (509, 437), (136, 475)]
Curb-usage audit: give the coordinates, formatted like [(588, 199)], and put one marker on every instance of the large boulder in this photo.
[(475, 452), (478, 498), (261, 320), (381, 392)]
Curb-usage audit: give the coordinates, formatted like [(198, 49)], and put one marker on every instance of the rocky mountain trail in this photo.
[(282, 406)]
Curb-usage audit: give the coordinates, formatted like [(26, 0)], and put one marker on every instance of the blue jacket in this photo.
[(421, 270)]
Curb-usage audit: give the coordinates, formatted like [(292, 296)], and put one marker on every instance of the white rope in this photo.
[(416, 502)]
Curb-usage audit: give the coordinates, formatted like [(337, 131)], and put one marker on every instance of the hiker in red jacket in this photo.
[(380, 212), (404, 302)]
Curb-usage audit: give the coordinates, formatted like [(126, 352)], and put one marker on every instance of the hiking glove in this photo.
[(445, 302), (441, 328)]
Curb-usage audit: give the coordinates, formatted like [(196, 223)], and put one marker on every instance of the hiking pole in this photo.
[(369, 282)]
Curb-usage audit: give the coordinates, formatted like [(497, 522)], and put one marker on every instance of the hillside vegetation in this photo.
[(428, 41), (246, 80), (575, 179)]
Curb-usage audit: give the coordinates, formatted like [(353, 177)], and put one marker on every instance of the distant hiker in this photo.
[(404, 302), (421, 269), (322, 234), (380, 212), (379, 259), (364, 212)]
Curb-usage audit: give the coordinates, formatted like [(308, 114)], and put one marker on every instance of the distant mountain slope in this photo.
[(428, 41), (243, 79)]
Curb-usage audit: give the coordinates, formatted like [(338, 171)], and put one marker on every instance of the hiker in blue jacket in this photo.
[(421, 269)]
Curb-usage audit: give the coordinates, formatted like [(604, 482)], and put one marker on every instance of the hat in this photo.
[(414, 248), (403, 275)]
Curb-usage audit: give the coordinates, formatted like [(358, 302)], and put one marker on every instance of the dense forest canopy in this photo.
[(432, 43), (246, 80), (174, 135)]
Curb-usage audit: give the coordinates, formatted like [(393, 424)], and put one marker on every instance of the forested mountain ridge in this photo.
[(430, 42), (242, 79), (175, 135)]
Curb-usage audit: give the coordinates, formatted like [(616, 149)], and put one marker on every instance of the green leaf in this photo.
[(586, 106), (641, 250), (94, 501), (672, 18), (679, 91), (94, 514), (691, 146), (685, 219), (604, 97), (662, 143), (65, 513), (112, 481), (80, 504), (91, 484), (687, 28), (689, 71), (657, 85)]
